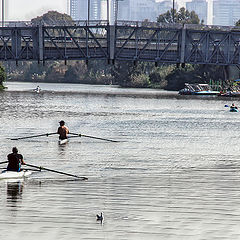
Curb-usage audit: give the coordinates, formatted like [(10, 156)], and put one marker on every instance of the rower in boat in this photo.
[(14, 171), (63, 131), (37, 89), (15, 160), (233, 108)]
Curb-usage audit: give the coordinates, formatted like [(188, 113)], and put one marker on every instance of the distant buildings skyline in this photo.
[(212, 12), (216, 12)]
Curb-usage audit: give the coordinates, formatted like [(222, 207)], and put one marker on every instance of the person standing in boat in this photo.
[(63, 130), (15, 160)]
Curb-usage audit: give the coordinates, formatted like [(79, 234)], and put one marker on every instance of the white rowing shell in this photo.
[(15, 175), (61, 142)]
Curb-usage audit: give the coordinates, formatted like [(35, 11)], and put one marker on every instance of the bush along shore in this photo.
[(124, 74), (3, 77)]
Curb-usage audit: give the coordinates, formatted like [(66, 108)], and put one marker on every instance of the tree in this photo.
[(52, 18), (182, 16), (2, 76)]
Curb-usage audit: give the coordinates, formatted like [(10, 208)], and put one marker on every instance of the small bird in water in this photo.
[(99, 217)]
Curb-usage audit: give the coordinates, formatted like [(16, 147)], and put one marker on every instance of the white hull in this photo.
[(15, 175), (61, 142)]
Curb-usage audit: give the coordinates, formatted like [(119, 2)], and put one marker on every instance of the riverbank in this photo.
[(89, 89), (105, 90)]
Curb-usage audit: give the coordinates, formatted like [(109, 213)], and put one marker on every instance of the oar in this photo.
[(83, 135), (3, 162), (40, 135), (50, 170)]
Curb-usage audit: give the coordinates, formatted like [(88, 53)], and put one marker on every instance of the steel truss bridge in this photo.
[(124, 41)]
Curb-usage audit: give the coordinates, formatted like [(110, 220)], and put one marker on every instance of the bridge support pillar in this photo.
[(40, 42), (111, 42), (183, 43)]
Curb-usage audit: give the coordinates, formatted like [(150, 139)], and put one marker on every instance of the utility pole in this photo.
[(173, 11), (88, 11), (108, 11), (116, 10), (2, 13)]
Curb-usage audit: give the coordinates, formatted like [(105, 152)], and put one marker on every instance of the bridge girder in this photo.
[(171, 45)]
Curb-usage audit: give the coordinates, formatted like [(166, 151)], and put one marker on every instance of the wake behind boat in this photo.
[(15, 175)]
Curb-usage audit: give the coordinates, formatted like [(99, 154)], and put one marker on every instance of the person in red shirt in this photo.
[(15, 160), (63, 131)]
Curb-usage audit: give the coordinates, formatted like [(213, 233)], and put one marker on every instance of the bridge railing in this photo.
[(55, 23)]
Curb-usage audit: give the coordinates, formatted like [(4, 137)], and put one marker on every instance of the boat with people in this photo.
[(5, 174), (37, 89), (233, 108), (197, 89), (62, 141)]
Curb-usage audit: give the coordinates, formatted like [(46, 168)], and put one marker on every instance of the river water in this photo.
[(174, 174)]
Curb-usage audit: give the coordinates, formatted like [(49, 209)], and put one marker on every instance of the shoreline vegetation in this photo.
[(125, 74)]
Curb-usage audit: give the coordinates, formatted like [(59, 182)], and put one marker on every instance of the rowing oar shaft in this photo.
[(83, 135), (40, 135), (3, 162), (50, 170)]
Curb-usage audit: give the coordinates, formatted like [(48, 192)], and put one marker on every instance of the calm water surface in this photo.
[(174, 175)]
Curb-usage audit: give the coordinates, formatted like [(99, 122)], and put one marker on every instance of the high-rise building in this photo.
[(142, 9), (226, 12), (164, 6), (200, 7), (79, 9), (124, 10)]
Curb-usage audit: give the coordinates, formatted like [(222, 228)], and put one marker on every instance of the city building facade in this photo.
[(200, 7), (226, 13)]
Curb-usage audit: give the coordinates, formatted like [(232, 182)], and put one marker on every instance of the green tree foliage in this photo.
[(51, 18), (238, 23), (182, 16), (2, 76), (127, 74), (194, 74)]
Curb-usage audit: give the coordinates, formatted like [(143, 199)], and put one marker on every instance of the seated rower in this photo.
[(233, 106), (63, 131), (15, 160), (37, 89)]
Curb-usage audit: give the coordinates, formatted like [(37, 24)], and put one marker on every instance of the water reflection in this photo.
[(14, 192)]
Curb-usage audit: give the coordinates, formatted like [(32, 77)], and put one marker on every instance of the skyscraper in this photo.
[(143, 9), (79, 9), (226, 12), (164, 6), (200, 7)]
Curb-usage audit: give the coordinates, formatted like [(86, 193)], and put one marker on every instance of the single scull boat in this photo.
[(63, 141), (15, 175)]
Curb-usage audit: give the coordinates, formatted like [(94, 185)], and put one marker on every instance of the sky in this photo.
[(25, 10)]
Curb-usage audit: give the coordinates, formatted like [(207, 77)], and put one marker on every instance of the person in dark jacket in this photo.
[(15, 160)]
